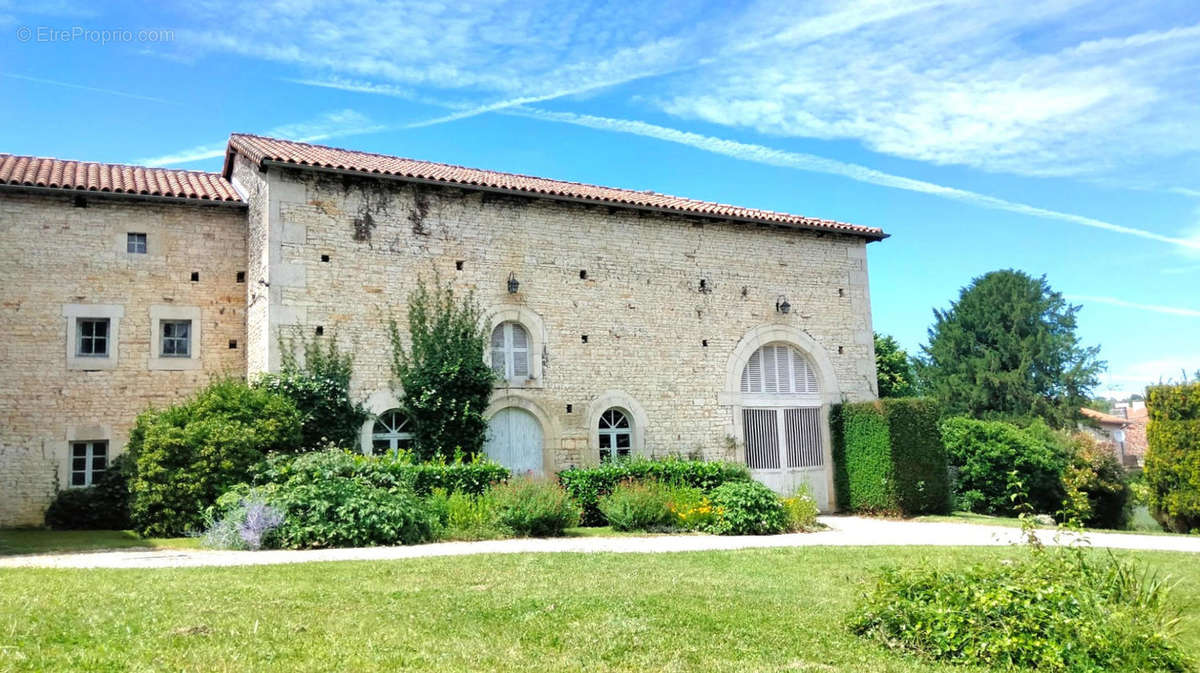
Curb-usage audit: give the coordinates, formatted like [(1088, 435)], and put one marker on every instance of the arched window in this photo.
[(616, 435), (781, 424), (779, 369), (391, 432), (510, 351)]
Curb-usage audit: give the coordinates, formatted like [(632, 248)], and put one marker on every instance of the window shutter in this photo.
[(752, 374), (770, 372), (498, 350)]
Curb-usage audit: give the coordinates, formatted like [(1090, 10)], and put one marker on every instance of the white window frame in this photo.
[(160, 313), (626, 404), (393, 434), (613, 432), (82, 328), (535, 331), (510, 350), (75, 313), (89, 470)]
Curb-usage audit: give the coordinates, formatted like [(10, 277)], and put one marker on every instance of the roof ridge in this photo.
[(109, 163), (682, 203)]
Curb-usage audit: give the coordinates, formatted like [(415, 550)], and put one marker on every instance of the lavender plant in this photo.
[(259, 520)]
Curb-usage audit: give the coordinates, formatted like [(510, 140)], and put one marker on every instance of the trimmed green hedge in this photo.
[(1173, 455), (472, 477), (587, 484), (888, 457), (992, 457)]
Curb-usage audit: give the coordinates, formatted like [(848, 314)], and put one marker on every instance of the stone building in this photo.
[(621, 322)]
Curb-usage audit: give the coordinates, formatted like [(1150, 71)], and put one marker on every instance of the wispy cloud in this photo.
[(1153, 308), (810, 162), (329, 125), (81, 87)]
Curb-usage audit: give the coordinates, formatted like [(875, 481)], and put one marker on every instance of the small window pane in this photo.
[(77, 478), (605, 440), (176, 338), (623, 440), (79, 450), (92, 336), (79, 463), (135, 243)]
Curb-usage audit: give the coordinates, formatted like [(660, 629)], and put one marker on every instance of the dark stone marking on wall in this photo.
[(241, 276), (324, 258), (419, 212), (320, 330), (195, 276)]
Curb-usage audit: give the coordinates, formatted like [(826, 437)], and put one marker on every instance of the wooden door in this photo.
[(515, 441)]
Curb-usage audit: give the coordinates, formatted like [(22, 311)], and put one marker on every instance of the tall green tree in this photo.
[(445, 383), (893, 367), (1008, 348)]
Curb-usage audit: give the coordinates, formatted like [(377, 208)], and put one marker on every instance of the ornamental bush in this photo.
[(990, 457), (471, 477), (747, 508), (1097, 475), (638, 505), (587, 485), (1172, 468), (534, 507), (102, 506), (446, 383), (319, 385), (187, 455), (889, 458)]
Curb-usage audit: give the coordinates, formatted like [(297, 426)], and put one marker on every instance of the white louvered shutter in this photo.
[(498, 359), (520, 351)]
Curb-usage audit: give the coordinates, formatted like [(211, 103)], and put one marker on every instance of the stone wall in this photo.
[(628, 281), (56, 254)]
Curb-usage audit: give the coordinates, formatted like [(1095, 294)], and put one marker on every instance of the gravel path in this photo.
[(843, 531)]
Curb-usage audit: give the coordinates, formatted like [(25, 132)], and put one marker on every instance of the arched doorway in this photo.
[(780, 387), (515, 440)]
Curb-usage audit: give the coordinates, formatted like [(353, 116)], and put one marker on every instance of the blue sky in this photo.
[(1060, 139)]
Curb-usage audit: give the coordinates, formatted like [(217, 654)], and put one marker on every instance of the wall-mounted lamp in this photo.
[(782, 305), (513, 284)]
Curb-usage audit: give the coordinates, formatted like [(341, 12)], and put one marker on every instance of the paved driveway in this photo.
[(843, 531)]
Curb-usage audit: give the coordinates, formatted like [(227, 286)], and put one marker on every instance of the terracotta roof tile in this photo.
[(114, 178), (259, 149), (1102, 417)]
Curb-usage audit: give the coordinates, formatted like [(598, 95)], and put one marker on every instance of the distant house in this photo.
[(1116, 431), (1135, 432)]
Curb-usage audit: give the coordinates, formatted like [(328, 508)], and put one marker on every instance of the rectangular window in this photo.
[(135, 243), (89, 460), (92, 340), (176, 338)]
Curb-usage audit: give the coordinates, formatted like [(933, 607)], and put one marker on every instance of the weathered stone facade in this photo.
[(56, 254), (652, 333), (654, 313)]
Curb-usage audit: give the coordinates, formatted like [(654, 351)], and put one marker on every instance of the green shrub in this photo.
[(989, 455), (447, 385), (800, 511), (467, 517), (888, 457), (337, 499), (534, 507), (319, 385), (587, 484), (1097, 475), (187, 455), (638, 505), (1057, 611), (691, 508), (472, 477), (747, 508), (102, 506), (1172, 468)]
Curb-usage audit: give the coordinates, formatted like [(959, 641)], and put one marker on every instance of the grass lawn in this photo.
[(36, 541), (754, 610)]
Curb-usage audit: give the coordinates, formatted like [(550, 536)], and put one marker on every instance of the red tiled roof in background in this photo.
[(114, 178), (259, 149), (1135, 432), (1102, 417)]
